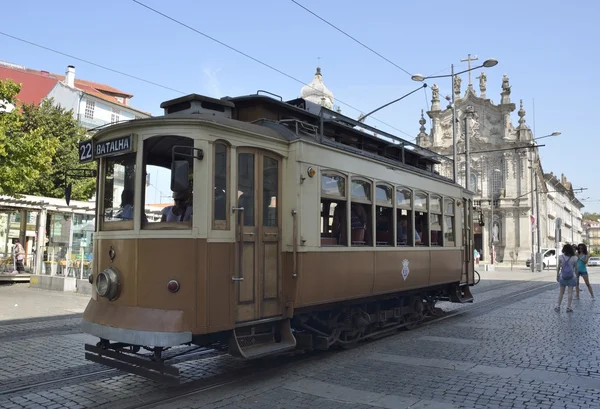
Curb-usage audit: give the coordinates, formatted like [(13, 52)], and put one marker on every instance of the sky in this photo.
[(545, 49)]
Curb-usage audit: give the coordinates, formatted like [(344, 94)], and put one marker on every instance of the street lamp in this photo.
[(419, 77)]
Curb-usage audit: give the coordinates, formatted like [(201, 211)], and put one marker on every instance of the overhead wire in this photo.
[(258, 61), (365, 46), (90, 62), (348, 35)]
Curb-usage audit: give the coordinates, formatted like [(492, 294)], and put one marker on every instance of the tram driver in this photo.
[(181, 211)]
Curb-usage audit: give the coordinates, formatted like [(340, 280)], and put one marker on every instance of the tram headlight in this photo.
[(107, 283)]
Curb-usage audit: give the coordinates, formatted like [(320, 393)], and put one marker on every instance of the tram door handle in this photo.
[(240, 235), (237, 278)]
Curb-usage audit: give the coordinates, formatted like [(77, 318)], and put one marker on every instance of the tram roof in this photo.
[(271, 116)]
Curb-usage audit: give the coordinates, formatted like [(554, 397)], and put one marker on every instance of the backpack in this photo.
[(567, 271)]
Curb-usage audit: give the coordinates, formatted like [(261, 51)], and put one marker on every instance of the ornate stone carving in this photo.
[(522, 117)]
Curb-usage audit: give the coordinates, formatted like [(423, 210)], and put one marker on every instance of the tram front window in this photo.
[(166, 209), (118, 191)]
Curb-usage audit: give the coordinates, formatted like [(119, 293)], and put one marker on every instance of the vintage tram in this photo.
[(293, 227)]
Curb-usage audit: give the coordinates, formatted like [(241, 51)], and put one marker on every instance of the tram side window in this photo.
[(166, 209), (220, 187), (360, 213), (333, 210), (119, 189), (384, 215), (449, 239), (435, 221), (421, 218), (405, 233)]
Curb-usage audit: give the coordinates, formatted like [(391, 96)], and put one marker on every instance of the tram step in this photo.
[(462, 295), (257, 345)]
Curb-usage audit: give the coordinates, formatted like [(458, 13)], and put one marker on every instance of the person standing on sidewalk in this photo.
[(566, 275), (19, 255), (582, 260)]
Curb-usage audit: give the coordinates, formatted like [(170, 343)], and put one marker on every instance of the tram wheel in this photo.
[(416, 316)]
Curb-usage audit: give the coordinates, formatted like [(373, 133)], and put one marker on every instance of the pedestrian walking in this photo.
[(582, 260), (566, 275)]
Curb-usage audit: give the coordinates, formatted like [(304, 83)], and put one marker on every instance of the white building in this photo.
[(93, 104)]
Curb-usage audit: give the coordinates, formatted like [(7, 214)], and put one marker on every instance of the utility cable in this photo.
[(90, 62), (348, 35), (259, 61)]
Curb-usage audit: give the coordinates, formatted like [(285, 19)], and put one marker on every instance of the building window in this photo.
[(89, 109), (114, 116)]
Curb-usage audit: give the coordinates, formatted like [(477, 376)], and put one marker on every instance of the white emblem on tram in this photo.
[(405, 269)]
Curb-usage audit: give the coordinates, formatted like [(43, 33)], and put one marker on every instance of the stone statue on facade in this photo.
[(495, 232), (482, 84), (435, 98), (457, 82), (505, 90)]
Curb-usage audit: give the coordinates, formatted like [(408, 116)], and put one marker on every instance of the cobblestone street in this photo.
[(508, 349)]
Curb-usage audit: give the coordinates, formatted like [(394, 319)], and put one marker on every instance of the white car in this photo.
[(594, 261)]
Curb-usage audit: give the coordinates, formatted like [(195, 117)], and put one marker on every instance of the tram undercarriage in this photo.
[(336, 326)]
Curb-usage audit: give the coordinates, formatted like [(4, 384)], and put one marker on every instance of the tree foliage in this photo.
[(38, 143), (25, 157), (593, 217)]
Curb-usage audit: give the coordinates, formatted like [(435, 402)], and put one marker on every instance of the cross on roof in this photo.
[(468, 60)]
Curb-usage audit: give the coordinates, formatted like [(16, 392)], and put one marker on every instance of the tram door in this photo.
[(258, 233)]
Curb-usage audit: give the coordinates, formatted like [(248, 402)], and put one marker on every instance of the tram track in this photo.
[(102, 372)]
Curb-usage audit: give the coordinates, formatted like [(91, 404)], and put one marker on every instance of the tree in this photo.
[(61, 126), (38, 143), (25, 156)]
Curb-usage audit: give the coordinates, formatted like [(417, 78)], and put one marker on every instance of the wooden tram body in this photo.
[(271, 259)]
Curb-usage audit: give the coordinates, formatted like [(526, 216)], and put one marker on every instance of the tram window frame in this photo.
[(166, 156), (327, 222), (110, 225), (404, 211), (220, 224), (449, 220), (435, 220), (384, 209), (362, 205), (421, 217)]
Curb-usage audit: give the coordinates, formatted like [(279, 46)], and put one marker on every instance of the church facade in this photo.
[(505, 170)]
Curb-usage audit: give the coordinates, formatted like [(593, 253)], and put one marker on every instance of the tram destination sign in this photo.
[(90, 149)]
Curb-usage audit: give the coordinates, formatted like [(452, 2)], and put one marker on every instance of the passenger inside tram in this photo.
[(403, 233), (181, 211)]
